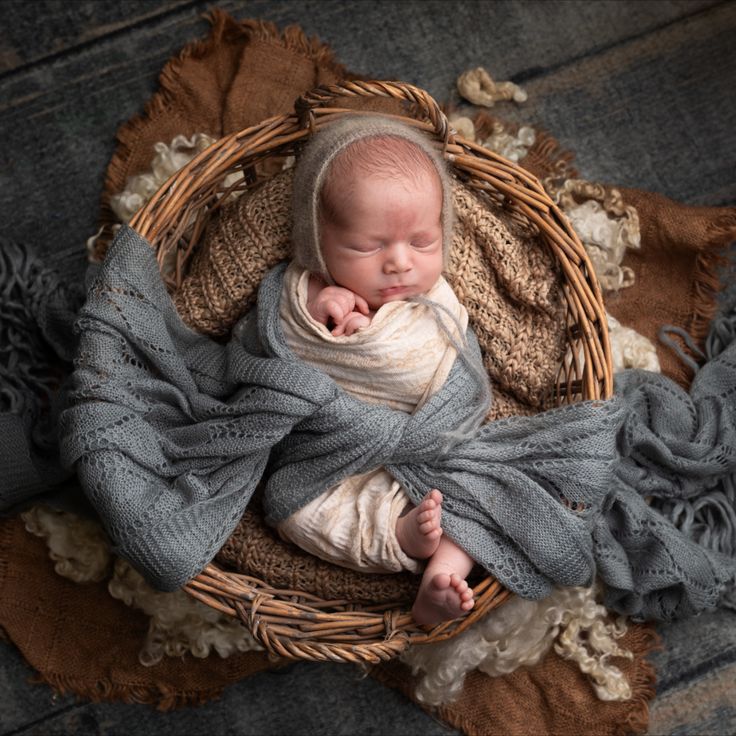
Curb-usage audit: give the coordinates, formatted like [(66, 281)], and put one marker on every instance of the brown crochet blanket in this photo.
[(512, 291), (85, 642)]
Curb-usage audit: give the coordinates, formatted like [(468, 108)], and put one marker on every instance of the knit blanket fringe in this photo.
[(709, 519), (37, 343)]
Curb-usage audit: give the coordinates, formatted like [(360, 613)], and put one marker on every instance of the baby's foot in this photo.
[(419, 530), (442, 598)]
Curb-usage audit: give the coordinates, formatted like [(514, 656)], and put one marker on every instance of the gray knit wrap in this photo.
[(314, 165), (170, 432)]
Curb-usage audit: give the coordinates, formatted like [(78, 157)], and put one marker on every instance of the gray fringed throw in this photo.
[(37, 343), (169, 433)]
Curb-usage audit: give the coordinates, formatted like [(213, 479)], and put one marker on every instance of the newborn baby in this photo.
[(364, 300)]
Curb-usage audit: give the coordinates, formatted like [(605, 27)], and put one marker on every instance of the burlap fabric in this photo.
[(83, 641), (549, 699), (676, 272)]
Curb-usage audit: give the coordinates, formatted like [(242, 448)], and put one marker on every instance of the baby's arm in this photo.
[(347, 310)]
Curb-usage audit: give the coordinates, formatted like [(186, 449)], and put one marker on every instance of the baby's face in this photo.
[(387, 243)]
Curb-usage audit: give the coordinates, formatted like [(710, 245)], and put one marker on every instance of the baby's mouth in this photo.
[(393, 290)]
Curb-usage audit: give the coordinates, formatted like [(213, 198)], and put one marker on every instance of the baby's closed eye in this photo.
[(365, 247)]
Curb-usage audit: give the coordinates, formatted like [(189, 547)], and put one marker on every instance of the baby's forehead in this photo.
[(390, 156)]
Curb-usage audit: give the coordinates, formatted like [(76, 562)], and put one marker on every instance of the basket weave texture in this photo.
[(537, 311)]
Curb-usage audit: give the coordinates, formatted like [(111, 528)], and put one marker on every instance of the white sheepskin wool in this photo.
[(178, 623), (519, 633)]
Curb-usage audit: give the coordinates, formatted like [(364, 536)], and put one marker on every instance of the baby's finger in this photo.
[(361, 304), (335, 310), (355, 321)]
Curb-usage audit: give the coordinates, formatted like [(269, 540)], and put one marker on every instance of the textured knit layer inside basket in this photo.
[(223, 221)]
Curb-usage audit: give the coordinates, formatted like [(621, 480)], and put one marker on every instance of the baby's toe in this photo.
[(441, 581), (457, 582), (424, 516), (435, 496)]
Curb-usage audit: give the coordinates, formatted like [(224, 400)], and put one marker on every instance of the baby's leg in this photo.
[(418, 531), (444, 593)]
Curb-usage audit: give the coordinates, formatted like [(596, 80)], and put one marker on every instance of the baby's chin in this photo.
[(376, 305)]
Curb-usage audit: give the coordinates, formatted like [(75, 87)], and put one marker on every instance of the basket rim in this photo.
[(498, 173), (164, 222)]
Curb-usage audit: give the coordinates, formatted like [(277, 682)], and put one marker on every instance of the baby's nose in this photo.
[(398, 258)]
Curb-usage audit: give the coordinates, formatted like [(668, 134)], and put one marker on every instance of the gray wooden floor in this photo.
[(644, 92)]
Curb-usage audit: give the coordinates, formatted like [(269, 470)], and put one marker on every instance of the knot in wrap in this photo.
[(345, 435)]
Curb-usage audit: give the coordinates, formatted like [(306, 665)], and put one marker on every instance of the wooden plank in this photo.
[(36, 30), (40, 29), (656, 113), (58, 122), (430, 42), (58, 119)]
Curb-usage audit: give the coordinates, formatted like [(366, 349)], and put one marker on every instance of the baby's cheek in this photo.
[(357, 278)]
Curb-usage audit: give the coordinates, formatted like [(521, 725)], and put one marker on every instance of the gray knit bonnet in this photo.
[(314, 163)]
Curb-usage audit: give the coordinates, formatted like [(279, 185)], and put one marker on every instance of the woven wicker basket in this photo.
[(297, 624)]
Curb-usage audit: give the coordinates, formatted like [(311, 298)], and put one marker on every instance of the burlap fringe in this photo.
[(160, 695), (224, 28), (707, 282), (547, 159), (643, 684), (292, 38)]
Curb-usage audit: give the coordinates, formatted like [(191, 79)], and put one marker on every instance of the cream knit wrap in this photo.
[(314, 164), (399, 360)]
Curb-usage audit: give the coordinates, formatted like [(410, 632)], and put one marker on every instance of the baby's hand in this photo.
[(342, 306), (352, 323)]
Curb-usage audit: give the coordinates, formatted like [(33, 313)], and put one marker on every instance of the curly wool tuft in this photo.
[(477, 86), (177, 623), (629, 349), (500, 140), (605, 224), (520, 633), (79, 547)]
